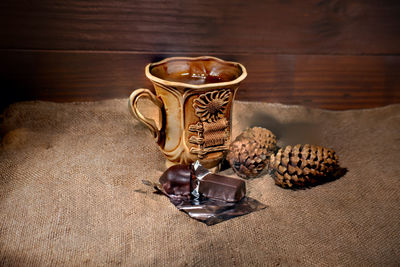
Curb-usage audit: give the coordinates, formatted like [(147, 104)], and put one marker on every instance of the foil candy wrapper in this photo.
[(213, 211)]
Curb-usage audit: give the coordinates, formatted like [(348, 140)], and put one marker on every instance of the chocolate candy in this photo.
[(217, 186), (177, 180), (187, 181), (204, 196), (222, 187)]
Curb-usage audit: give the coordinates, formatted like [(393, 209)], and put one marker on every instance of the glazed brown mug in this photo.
[(195, 97)]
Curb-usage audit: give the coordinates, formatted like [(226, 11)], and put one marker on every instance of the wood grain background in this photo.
[(328, 54)]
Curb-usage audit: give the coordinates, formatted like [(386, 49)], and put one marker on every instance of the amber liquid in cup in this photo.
[(196, 72)]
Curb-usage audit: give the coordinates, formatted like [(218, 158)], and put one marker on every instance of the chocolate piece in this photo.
[(222, 187), (217, 186), (177, 180)]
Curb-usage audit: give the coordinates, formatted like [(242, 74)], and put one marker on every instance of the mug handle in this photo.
[(133, 107)]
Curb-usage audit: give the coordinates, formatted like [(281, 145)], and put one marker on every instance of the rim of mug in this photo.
[(195, 86)]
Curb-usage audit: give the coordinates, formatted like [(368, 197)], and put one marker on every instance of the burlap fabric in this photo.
[(70, 192)]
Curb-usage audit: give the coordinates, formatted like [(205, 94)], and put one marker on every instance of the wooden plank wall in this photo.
[(333, 54)]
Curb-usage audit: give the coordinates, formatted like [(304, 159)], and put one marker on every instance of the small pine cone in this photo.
[(303, 165), (246, 157), (262, 136), (249, 154)]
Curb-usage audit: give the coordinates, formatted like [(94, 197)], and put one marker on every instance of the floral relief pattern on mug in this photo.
[(211, 106), (211, 130)]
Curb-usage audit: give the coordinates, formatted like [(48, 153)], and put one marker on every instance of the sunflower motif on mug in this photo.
[(210, 107)]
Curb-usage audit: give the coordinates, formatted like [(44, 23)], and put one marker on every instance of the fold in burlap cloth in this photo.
[(71, 192)]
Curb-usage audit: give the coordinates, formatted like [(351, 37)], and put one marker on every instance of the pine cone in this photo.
[(262, 136), (303, 165), (249, 154)]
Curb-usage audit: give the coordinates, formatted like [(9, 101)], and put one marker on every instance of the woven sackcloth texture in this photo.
[(71, 192)]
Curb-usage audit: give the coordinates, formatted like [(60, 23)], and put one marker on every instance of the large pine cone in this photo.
[(303, 165), (249, 154)]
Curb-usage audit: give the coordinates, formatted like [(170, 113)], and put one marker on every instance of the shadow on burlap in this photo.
[(70, 192)]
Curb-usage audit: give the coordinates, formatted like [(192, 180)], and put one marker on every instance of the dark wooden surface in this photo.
[(328, 54)]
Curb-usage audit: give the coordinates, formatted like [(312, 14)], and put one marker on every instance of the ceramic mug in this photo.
[(195, 97)]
